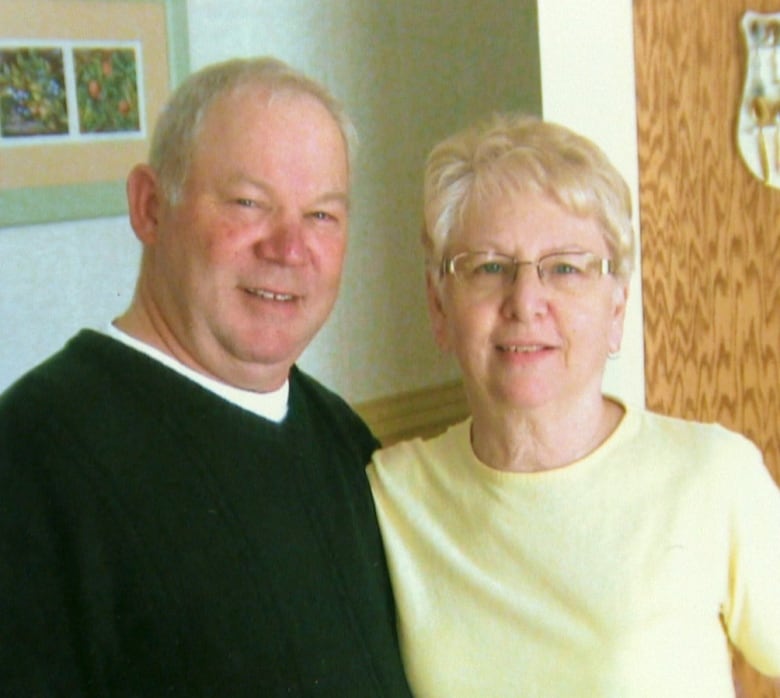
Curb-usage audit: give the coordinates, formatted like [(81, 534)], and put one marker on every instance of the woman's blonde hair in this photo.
[(514, 153)]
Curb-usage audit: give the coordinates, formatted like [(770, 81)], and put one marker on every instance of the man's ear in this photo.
[(143, 201), (437, 313)]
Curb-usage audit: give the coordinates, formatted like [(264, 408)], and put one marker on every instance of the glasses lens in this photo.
[(483, 271), (572, 272), (489, 272)]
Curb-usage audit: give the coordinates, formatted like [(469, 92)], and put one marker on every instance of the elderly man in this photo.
[(183, 511)]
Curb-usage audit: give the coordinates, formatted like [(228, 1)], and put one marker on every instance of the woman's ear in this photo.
[(143, 202), (437, 312), (619, 302)]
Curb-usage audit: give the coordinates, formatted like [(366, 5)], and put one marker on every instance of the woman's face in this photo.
[(527, 345)]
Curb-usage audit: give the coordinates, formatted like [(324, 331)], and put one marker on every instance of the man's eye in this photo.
[(256, 204), (322, 216)]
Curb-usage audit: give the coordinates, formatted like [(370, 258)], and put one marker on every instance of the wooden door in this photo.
[(710, 231)]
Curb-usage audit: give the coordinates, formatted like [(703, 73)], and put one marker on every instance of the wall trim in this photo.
[(424, 412)]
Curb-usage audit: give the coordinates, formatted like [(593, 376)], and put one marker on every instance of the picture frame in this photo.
[(81, 84)]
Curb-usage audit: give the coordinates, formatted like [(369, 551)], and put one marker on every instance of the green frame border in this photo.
[(32, 205)]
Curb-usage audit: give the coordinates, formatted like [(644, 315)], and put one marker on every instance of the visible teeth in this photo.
[(268, 295), (525, 349)]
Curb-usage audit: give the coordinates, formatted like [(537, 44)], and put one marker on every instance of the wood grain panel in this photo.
[(710, 235), (423, 413)]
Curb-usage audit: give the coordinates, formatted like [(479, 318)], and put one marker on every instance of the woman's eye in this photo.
[(490, 268), (563, 269)]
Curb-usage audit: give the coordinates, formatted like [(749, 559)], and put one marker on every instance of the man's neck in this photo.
[(270, 405)]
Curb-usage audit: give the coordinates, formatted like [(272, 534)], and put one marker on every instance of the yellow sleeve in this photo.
[(752, 616)]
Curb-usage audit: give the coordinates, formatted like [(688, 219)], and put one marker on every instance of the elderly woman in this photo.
[(560, 543)]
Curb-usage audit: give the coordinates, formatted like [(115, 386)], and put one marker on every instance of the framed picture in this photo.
[(81, 84)]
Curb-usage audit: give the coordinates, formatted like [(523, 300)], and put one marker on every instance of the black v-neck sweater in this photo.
[(156, 540)]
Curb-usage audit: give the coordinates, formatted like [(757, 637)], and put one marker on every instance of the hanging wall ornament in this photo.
[(758, 128)]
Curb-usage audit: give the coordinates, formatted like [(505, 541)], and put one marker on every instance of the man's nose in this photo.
[(285, 243)]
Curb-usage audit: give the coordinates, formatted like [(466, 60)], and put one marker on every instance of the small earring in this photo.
[(612, 355)]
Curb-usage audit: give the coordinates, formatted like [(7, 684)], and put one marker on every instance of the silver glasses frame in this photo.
[(605, 266)]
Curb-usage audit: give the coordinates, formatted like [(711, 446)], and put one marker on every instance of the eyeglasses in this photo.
[(487, 272)]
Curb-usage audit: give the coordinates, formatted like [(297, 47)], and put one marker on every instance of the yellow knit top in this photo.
[(624, 574)]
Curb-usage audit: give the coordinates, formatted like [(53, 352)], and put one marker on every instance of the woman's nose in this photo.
[(525, 295)]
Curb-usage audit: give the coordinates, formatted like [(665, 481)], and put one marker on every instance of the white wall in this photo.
[(55, 279), (587, 63)]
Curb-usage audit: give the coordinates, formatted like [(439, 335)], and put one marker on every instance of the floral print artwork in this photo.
[(69, 90), (32, 92)]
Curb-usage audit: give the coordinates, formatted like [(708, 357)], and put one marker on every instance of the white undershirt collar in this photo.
[(271, 405)]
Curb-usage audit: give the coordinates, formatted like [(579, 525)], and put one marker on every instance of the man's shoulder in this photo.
[(67, 366), (91, 378), (54, 405), (308, 387), (325, 406)]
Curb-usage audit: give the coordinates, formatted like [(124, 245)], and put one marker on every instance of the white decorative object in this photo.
[(758, 129)]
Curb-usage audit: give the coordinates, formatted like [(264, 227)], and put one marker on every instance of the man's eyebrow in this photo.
[(333, 196), (239, 178)]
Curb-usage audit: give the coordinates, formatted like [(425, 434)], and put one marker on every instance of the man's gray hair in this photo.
[(175, 135)]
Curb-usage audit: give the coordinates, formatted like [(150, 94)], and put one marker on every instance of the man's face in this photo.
[(245, 268)]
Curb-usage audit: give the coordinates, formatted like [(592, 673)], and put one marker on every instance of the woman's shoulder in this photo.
[(675, 427), (420, 452), (688, 441)]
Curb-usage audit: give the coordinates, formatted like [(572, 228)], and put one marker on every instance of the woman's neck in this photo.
[(545, 438)]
